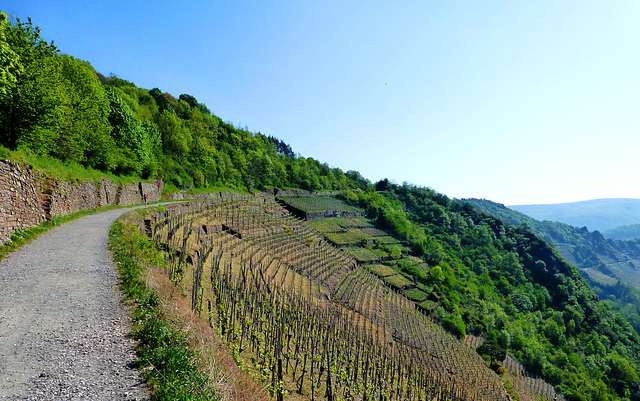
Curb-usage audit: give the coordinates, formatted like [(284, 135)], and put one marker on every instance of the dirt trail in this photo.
[(62, 322)]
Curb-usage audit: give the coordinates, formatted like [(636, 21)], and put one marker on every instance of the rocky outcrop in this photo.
[(27, 199)]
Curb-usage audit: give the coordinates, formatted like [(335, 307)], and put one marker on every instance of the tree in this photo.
[(139, 137), (10, 66), (493, 349), (83, 132), (176, 140), (382, 185), (28, 104), (455, 325), (621, 369)]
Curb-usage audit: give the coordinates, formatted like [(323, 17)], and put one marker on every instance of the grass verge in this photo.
[(60, 170), (163, 353)]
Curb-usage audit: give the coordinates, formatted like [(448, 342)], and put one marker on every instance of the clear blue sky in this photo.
[(515, 101)]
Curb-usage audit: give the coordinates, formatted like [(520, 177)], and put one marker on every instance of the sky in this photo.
[(518, 102)]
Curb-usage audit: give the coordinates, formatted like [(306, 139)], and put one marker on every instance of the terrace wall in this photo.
[(298, 192), (202, 196), (310, 216), (28, 199)]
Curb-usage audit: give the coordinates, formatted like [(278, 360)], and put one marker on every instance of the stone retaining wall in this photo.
[(69, 198), (204, 195), (19, 201), (298, 192), (27, 199), (107, 192)]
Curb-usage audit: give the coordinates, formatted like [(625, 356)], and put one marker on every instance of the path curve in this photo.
[(62, 321)]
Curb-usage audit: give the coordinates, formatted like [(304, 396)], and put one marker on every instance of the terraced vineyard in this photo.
[(373, 248), (305, 318), (320, 204)]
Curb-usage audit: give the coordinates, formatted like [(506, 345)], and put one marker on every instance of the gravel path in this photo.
[(62, 322)]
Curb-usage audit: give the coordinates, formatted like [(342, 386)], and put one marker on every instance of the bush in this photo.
[(4, 152), (455, 325)]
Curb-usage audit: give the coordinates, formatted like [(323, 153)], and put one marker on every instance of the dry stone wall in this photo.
[(69, 198), (28, 199), (107, 192), (206, 196), (298, 192), (19, 201)]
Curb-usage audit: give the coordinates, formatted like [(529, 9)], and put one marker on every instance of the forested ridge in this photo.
[(52, 104), (485, 277), (609, 265)]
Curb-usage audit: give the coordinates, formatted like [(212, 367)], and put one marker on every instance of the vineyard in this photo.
[(306, 319), (372, 248), (319, 204)]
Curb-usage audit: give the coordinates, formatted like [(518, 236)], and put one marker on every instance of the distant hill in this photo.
[(623, 232), (596, 214)]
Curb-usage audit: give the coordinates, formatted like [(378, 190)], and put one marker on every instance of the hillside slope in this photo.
[(486, 280), (289, 304), (611, 266)]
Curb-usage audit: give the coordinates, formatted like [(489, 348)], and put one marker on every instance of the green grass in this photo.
[(362, 254), (374, 232), (329, 225), (428, 305), (387, 240), (57, 169), (415, 294), (351, 237), (319, 204), (163, 353), (355, 222), (382, 270), (397, 281)]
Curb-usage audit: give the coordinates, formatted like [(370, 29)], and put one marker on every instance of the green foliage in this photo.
[(455, 325), (82, 134), (504, 283), (625, 232), (138, 140), (163, 351), (56, 105), (28, 103), (10, 66), (4, 152), (600, 260)]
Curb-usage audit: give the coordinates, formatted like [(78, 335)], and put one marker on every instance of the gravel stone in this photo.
[(62, 321)]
